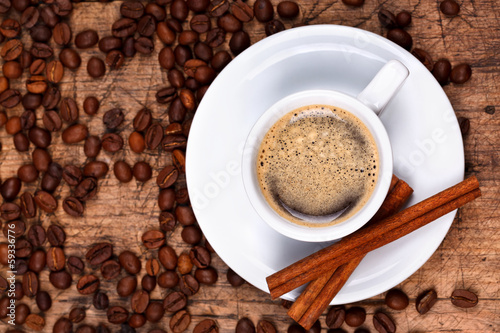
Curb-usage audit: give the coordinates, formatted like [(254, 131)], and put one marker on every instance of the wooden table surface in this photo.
[(468, 257)]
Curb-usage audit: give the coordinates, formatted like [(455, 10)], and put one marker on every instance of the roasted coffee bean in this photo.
[(188, 37), (69, 110), (400, 37), (41, 33), (354, 3), (86, 190), (200, 23), (10, 98), (72, 175), (264, 326), (115, 59), (46, 201), (41, 159), (387, 19), (55, 259), (139, 301), (117, 315), (75, 133), (62, 34), (75, 265), (142, 120), (229, 23), (126, 286), (154, 136), (152, 267), (182, 53), (43, 301), (215, 37), (62, 7), (37, 67), (167, 221), (191, 234), (73, 207), (112, 142), (49, 17), (235, 280), (239, 42), (136, 320), (28, 205), (180, 321), (176, 78), (20, 266), (14, 228), (441, 71), (396, 299), (464, 124), (206, 326), (100, 300), (88, 284), (11, 50), (29, 17), (86, 39), (263, 10), (36, 84), (52, 121), (37, 261), (184, 264), (206, 275), (166, 95), (154, 312), (23, 248), (35, 322), (185, 215), (179, 10), (54, 71), (200, 256), (113, 118), (128, 48), (425, 301), (110, 43), (132, 9), (168, 279), (203, 51), (177, 110), (92, 146), (242, 11), (424, 57), (383, 323), (182, 196), (274, 26), (60, 280), (10, 188), (30, 284), (30, 102), (355, 316), (56, 235), (41, 50), (166, 199), (99, 253), (130, 262), (10, 28), (403, 19), (220, 60), (122, 171), (335, 316), (37, 236), (142, 171), (153, 239), (21, 142), (146, 26), (167, 257), (27, 173), (96, 67), (165, 34), (70, 58), (172, 142), (91, 105), (77, 315), (144, 45), (22, 312), (192, 65), (464, 298), (198, 5), (288, 9), (460, 74), (449, 7), (167, 177), (245, 325), (296, 328), (148, 283), (110, 269), (51, 98), (156, 10), (25, 59)]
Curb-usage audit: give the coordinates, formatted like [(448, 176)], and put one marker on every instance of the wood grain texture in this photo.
[(467, 258)]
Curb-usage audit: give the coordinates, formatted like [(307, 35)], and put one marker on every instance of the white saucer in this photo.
[(426, 140)]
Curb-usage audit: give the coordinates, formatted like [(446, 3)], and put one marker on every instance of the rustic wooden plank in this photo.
[(467, 258)]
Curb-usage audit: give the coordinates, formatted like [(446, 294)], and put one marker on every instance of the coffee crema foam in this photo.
[(317, 165)]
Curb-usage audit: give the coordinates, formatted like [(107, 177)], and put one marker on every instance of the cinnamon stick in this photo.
[(319, 293), (372, 237)]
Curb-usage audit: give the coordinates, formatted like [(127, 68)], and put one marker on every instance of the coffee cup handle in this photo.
[(384, 86)]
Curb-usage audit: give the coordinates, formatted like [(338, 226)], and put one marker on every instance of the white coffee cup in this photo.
[(366, 107)]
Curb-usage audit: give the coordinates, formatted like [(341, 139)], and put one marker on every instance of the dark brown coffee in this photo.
[(317, 165)]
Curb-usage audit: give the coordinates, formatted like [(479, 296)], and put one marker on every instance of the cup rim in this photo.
[(264, 123)]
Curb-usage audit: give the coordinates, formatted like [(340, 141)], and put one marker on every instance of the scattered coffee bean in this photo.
[(180, 321), (355, 316), (460, 73), (264, 326), (100, 300), (96, 67), (383, 323), (464, 298), (75, 265), (464, 124), (99, 253), (354, 3), (441, 71), (426, 301), (335, 316), (88, 284), (126, 286), (110, 269), (449, 7), (396, 299), (153, 239), (400, 37), (403, 19), (206, 326), (387, 19)]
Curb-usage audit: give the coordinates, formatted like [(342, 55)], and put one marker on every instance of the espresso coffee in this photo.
[(317, 165)]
